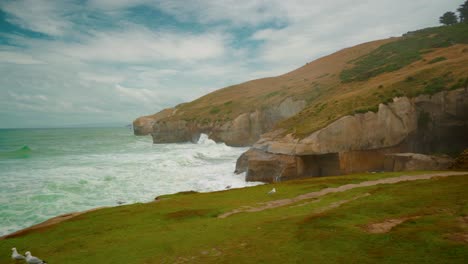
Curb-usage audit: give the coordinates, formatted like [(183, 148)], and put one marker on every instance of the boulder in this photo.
[(416, 161), (265, 167), (461, 162)]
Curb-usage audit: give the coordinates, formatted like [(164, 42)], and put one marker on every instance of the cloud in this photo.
[(101, 78), (141, 44), (17, 58), (140, 95), (27, 97), (113, 5), (48, 17), (119, 59)]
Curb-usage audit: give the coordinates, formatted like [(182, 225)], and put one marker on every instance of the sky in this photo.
[(77, 62)]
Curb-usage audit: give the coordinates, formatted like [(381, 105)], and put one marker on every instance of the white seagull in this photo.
[(15, 255), (33, 260), (272, 191)]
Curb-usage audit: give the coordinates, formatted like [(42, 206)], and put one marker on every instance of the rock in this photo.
[(362, 142), (244, 130), (266, 167), (461, 162), (175, 132), (437, 123), (270, 167), (242, 162), (144, 125), (416, 161)]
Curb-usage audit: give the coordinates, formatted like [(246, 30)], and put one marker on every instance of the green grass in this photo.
[(398, 54), (438, 59), (215, 110), (184, 227), (437, 84)]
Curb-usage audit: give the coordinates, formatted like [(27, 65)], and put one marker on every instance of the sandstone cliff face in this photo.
[(414, 162), (143, 126), (357, 143), (244, 130)]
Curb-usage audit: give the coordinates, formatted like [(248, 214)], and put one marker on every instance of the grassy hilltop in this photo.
[(349, 81), (422, 221)]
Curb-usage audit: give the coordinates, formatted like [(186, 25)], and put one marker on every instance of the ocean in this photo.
[(49, 172)]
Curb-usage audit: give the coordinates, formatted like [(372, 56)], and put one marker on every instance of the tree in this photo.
[(449, 18), (463, 11)]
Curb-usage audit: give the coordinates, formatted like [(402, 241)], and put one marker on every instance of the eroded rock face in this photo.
[(266, 167), (439, 118), (244, 130), (415, 161), (461, 162), (175, 131), (362, 142), (143, 126)]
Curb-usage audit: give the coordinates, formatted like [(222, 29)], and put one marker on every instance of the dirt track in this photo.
[(346, 187)]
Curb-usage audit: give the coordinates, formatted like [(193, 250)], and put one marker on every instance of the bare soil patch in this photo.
[(387, 225)]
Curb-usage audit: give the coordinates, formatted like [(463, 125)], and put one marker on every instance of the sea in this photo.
[(49, 172)]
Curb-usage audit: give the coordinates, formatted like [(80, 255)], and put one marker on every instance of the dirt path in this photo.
[(387, 225), (343, 188)]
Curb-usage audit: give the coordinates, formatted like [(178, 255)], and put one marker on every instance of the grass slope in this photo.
[(183, 228), (349, 81)]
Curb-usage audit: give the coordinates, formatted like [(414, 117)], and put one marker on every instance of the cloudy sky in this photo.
[(73, 62)]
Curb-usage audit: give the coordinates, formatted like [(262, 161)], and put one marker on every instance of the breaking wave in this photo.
[(79, 169)]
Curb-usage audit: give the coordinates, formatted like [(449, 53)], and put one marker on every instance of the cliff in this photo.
[(338, 114), (301, 102), (243, 130), (143, 126), (361, 142)]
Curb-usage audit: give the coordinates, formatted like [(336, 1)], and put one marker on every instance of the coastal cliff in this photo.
[(343, 113), (361, 142), (244, 130)]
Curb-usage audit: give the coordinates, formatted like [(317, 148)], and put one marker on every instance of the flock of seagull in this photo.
[(30, 259)]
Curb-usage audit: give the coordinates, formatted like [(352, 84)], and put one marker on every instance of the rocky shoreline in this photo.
[(400, 135)]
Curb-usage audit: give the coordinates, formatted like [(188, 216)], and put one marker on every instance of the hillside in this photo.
[(353, 80), (367, 218)]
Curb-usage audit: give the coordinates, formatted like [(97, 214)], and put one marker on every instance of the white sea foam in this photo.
[(129, 169)]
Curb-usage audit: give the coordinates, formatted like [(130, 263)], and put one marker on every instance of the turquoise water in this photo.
[(48, 172)]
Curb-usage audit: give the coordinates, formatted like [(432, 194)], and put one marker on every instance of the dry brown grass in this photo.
[(327, 97)]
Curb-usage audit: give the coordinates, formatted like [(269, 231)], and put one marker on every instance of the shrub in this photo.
[(398, 54), (215, 110), (438, 59), (435, 85)]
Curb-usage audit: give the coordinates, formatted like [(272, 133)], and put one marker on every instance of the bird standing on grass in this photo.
[(33, 260), (272, 191), (15, 255)]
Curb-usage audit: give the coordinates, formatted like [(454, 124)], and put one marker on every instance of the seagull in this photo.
[(15, 255), (33, 260), (228, 187), (272, 191)]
